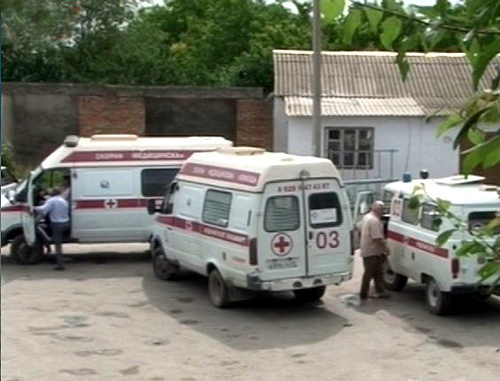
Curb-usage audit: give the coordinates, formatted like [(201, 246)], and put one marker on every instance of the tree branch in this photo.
[(485, 32)]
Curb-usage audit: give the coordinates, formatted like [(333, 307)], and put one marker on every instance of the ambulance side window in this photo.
[(430, 219), (216, 208), (154, 181), (409, 216), (324, 210), (282, 214)]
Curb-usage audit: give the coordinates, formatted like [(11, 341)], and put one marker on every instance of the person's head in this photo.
[(55, 192), (378, 208)]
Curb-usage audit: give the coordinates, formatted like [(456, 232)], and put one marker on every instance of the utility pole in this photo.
[(316, 80)]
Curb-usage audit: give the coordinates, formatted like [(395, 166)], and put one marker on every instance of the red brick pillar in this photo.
[(254, 123), (110, 114)]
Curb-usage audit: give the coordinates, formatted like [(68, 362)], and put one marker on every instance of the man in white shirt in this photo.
[(373, 251), (57, 208)]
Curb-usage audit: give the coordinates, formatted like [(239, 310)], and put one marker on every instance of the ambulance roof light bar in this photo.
[(460, 180), (115, 138), (241, 151), (71, 141)]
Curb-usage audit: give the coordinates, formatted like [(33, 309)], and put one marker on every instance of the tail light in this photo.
[(253, 252), (455, 267), (352, 241)]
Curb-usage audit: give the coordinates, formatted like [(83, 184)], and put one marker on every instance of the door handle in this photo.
[(311, 235)]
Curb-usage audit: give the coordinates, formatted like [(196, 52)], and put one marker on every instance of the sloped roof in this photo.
[(437, 82)]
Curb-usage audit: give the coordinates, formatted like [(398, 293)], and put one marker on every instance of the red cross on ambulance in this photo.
[(281, 244)]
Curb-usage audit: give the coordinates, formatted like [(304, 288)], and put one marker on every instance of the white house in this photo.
[(374, 124)]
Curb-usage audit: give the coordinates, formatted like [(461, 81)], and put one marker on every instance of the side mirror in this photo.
[(11, 196), (151, 206)]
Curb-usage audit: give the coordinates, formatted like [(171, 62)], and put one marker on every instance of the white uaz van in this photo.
[(254, 220), (412, 237), (107, 179)]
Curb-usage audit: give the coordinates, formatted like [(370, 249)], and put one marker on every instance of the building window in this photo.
[(350, 148)]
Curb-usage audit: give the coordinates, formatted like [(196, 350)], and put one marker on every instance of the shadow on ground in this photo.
[(265, 322)]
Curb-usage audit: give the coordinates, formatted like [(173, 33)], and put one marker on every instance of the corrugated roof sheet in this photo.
[(335, 106), (437, 82)]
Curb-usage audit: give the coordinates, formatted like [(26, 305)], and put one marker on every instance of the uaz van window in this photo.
[(282, 214), (478, 220), (324, 210), (430, 217), (216, 208), (409, 215), (156, 180)]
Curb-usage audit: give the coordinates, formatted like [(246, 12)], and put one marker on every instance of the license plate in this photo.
[(282, 264)]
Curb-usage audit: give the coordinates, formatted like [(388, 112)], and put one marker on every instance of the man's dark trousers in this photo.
[(59, 231), (373, 270)]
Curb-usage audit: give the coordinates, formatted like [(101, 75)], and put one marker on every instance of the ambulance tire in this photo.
[(307, 295), (163, 268), (218, 290), (438, 302), (392, 280), (23, 254)]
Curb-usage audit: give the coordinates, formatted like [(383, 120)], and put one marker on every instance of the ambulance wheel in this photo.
[(218, 290), (23, 254), (162, 267), (438, 302), (392, 280), (309, 294)]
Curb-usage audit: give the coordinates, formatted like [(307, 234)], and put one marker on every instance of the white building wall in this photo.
[(280, 126), (414, 138)]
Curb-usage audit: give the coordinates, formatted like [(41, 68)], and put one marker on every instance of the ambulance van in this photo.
[(252, 220), (107, 180), (412, 234)]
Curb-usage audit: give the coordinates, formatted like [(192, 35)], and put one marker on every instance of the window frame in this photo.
[(282, 230), (228, 211), (142, 175), (340, 216), (356, 154), (403, 208), (432, 228)]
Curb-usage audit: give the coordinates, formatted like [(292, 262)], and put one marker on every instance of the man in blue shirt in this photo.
[(57, 209)]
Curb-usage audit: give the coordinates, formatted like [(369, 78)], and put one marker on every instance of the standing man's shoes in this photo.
[(59, 268), (385, 295)]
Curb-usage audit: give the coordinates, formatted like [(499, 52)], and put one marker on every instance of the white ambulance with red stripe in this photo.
[(412, 237), (255, 220), (107, 180)]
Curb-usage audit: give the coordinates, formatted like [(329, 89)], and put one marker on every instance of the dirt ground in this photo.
[(108, 318)]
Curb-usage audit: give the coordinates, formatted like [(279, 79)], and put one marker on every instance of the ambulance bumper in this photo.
[(256, 284), (473, 288)]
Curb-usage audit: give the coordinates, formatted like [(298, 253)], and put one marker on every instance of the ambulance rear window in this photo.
[(282, 214), (156, 180), (324, 210), (478, 220)]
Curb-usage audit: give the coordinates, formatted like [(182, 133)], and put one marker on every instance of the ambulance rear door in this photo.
[(328, 227), (281, 241)]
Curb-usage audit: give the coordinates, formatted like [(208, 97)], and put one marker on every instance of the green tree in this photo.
[(474, 26)]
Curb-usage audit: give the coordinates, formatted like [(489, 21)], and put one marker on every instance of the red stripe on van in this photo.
[(114, 156), (209, 231), (417, 244), (12, 208), (220, 174), (109, 204)]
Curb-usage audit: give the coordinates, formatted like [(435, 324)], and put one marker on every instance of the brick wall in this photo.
[(111, 114), (254, 123)]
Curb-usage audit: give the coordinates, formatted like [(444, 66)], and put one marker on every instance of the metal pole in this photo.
[(316, 117)]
